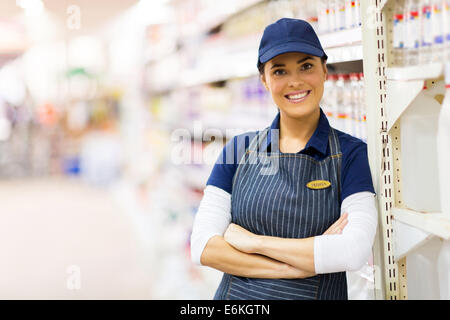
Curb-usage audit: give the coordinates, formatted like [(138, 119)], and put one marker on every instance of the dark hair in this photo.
[(262, 65)]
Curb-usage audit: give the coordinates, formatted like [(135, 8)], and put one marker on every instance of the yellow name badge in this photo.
[(318, 184)]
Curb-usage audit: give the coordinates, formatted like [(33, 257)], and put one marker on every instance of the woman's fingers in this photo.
[(240, 238), (338, 226)]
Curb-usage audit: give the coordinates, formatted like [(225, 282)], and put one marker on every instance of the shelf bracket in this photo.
[(404, 245), (396, 103)]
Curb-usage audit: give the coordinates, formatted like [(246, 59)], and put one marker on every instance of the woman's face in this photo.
[(295, 81)]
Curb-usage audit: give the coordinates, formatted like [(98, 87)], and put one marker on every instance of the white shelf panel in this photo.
[(397, 103), (238, 59), (236, 65), (420, 72), (341, 38), (345, 54), (407, 238), (212, 20), (437, 224)]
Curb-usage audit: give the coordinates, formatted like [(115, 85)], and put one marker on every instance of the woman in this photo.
[(299, 194)]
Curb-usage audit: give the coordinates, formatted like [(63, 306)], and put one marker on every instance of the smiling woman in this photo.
[(296, 83), (292, 232), (293, 78)]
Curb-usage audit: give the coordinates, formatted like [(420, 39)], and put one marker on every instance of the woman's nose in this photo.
[(295, 82)]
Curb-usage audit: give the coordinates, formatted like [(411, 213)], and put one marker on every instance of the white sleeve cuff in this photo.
[(213, 218), (351, 249)]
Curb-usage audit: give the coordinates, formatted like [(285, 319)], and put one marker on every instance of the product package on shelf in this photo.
[(443, 143), (343, 103), (421, 31), (335, 15), (399, 33), (418, 125)]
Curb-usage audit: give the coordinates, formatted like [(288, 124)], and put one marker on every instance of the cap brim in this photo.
[(291, 47)]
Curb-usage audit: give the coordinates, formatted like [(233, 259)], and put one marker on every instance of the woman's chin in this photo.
[(299, 112)]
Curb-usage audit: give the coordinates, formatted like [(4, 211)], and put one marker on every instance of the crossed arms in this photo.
[(217, 243)]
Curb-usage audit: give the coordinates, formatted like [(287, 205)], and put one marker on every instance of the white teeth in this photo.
[(298, 96)]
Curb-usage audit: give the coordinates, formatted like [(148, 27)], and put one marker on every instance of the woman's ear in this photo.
[(262, 77), (325, 70)]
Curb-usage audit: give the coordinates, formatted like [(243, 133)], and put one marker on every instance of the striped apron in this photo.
[(270, 197)]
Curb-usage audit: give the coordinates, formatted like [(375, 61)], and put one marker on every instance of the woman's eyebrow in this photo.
[(298, 62), (304, 59), (278, 65)]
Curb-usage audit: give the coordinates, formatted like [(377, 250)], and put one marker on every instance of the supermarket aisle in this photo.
[(60, 239)]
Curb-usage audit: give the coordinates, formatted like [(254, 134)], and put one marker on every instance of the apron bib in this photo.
[(270, 197)]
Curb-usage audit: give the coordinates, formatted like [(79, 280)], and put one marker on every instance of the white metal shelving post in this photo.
[(380, 147), (392, 95)]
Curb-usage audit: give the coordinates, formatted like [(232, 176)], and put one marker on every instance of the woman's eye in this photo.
[(279, 72), (307, 66)]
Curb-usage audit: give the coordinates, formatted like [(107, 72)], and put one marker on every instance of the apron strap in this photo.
[(333, 140), (259, 142)]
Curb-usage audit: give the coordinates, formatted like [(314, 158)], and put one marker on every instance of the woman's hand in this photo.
[(248, 242), (275, 248), (338, 226), (240, 238)]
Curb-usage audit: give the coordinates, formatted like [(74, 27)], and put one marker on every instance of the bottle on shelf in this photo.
[(357, 12), (323, 13), (332, 25), (355, 106), (362, 109), (348, 105), (446, 8), (335, 15), (350, 14), (340, 15), (327, 103), (437, 30), (399, 33), (413, 31), (343, 103), (338, 103), (426, 32), (443, 141)]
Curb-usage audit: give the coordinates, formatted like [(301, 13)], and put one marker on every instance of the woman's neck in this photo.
[(295, 133)]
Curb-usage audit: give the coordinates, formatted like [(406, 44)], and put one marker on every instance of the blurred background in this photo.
[(112, 114)]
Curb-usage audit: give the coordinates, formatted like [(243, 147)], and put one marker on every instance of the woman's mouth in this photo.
[(297, 97)]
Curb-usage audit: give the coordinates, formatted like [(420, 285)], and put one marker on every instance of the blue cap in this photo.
[(289, 35)]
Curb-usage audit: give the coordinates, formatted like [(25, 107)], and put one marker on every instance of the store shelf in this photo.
[(420, 72), (397, 103), (237, 60), (241, 7), (404, 104), (344, 54), (408, 238), (437, 224), (341, 38), (410, 80), (343, 46), (234, 65)]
